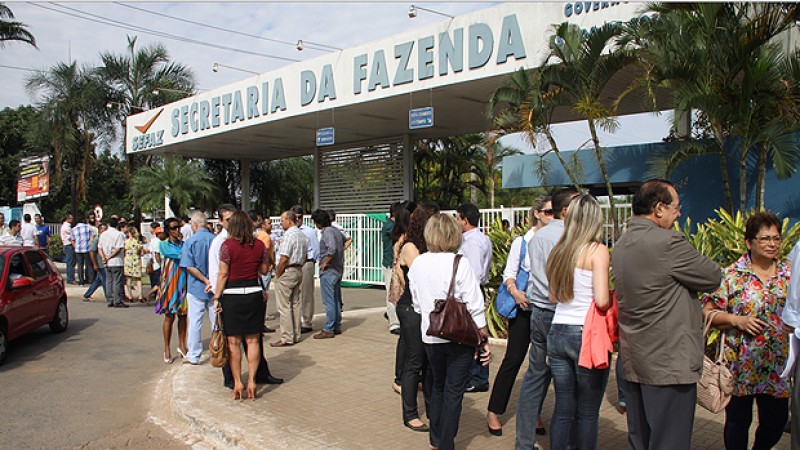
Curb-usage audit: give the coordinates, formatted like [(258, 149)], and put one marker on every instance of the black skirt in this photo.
[(243, 313)]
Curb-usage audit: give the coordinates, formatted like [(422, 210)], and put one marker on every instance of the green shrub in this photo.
[(55, 248), (501, 244)]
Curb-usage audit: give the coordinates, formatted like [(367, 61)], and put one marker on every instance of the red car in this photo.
[(32, 294)]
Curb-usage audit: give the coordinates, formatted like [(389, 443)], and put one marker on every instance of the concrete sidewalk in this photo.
[(337, 394)]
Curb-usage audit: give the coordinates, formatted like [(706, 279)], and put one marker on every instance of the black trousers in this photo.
[(415, 366), (772, 416), (262, 373), (519, 339), (660, 417)]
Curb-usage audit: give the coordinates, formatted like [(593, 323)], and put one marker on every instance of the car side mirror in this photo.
[(21, 282)]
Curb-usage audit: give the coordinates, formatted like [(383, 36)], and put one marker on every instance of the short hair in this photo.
[(113, 222), (332, 215), (321, 217), (102, 225), (154, 225), (13, 223), (199, 219), (185, 218), (80, 218), (297, 210), (758, 221), (470, 213), (649, 194), (225, 207), (442, 234), (240, 228), (561, 198), (27, 217), (254, 215), (290, 215)]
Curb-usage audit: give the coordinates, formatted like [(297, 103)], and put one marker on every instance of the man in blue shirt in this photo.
[(199, 291), (42, 233)]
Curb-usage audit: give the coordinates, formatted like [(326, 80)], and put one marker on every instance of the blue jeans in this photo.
[(536, 381), (197, 308), (450, 364), (579, 391), (69, 259), (331, 288), (99, 280)]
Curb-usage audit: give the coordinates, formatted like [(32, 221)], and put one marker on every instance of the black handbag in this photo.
[(450, 319)]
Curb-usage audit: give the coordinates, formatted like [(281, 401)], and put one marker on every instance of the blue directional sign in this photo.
[(325, 136), (420, 118)]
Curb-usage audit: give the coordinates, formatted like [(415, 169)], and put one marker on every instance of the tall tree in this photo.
[(520, 106), (279, 184), (15, 125), (11, 30), (577, 70), (142, 79), (186, 183), (443, 169), (718, 58), (71, 116)]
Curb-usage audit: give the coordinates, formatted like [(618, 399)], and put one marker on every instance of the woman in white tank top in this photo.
[(577, 272)]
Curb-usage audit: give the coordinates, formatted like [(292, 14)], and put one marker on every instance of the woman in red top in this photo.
[(242, 259)]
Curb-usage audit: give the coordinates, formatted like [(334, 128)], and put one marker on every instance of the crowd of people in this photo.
[(573, 298)]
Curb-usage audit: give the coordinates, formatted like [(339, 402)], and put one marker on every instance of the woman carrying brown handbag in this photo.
[(429, 280)]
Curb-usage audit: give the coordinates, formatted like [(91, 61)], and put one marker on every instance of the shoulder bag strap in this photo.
[(451, 289), (522, 254)]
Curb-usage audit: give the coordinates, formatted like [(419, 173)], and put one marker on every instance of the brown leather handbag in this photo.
[(218, 347), (450, 319)]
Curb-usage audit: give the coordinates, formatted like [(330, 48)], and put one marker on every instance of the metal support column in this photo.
[(408, 167), (244, 167), (316, 178)]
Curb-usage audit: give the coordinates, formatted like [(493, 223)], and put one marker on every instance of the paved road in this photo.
[(95, 385)]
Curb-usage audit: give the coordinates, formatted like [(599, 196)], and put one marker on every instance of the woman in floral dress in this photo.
[(751, 297), (133, 264)]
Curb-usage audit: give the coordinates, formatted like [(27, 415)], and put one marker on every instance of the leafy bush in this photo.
[(722, 239), (55, 248), (501, 244)]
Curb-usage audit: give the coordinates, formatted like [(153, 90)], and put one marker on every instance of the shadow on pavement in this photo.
[(34, 345)]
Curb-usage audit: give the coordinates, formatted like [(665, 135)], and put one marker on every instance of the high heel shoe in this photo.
[(181, 352), (495, 431), (167, 360)]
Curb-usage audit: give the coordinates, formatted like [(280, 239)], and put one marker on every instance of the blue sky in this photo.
[(61, 36)]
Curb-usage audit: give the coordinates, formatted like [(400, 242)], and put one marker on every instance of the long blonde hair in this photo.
[(583, 225)]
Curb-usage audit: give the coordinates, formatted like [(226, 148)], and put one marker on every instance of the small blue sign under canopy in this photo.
[(325, 136), (420, 118)]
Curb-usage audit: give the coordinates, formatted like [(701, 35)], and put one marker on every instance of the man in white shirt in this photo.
[(111, 247), (307, 285), (11, 236), (69, 250), (791, 322), (186, 228), (28, 231), (477, 249), (288, 278), (3, 226)]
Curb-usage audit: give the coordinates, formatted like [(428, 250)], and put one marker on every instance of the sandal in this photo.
[(167, 360)]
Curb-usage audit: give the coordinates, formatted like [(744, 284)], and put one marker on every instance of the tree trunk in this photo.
[(74, 191), (491, 191), (761, 176), (601, 162), (723, 167), (742, 183), (566, 167)]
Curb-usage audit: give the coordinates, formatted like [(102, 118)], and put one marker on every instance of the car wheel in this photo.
[(61, 319), (3, 343)]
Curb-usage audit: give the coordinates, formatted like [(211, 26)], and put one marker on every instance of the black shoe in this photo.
[(386, 316), (495, 431), (229, 386), (422, 428), (269, 380), (121, 305), (268, 329), (110, 305), (395, 331), (306, 329), (472, 388), (541, 431)]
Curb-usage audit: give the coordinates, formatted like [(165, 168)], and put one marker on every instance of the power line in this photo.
[(25, 69), (118, 24), (214, 27)]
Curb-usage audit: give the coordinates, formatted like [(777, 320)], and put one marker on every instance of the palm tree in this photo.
[(528, 110), (576, 72), (717, 58), (185, 182), (72, 115), (443, 169), (495, 152), (11, 30), (142, 79)]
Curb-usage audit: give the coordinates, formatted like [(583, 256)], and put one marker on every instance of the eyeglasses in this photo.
[(765, 240), (549, 212)]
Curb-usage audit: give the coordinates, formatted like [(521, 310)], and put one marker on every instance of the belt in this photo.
[(296, 266)]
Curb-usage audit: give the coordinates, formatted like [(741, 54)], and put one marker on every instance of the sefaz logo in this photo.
[(148, 140)]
